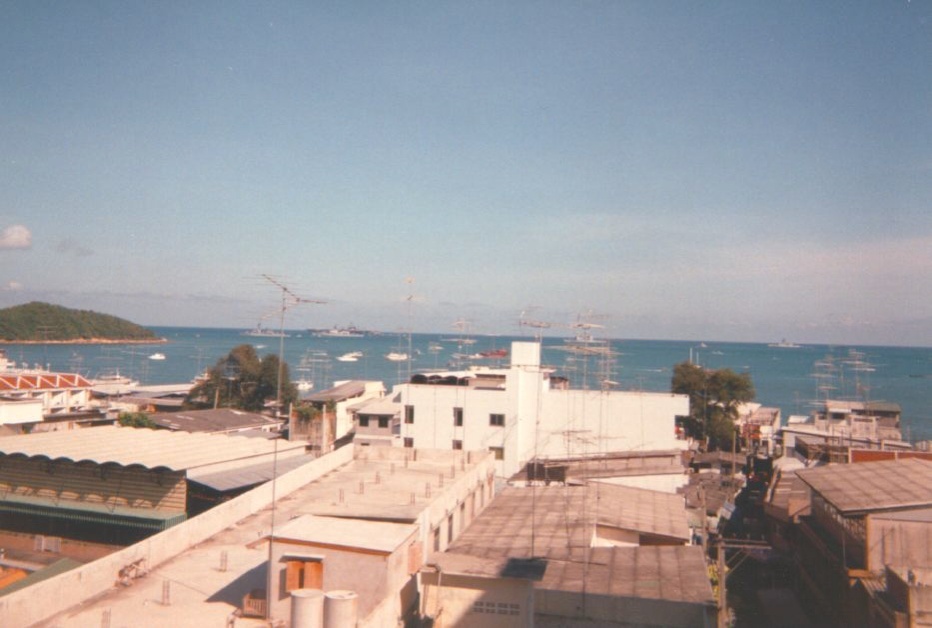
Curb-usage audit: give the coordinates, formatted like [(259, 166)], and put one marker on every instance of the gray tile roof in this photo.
[(873, 486)]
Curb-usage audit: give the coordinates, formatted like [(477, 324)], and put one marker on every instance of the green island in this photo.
[(44, 323)]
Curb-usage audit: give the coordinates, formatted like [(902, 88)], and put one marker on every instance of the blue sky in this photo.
[(709, 171)]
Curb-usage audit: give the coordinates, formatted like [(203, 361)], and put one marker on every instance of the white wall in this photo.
[(540, 421), (15, 412)]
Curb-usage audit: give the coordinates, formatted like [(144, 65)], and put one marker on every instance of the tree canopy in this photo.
[(136, 419), (243, 380), (43, 322), (714, 397)]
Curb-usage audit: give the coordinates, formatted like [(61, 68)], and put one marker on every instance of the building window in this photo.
[(363, 421), (303, 574), (383, 422), (457, 444), (458, 417), (497, 419), (493, 608), (409, 414), (499, 452), (409, 442)]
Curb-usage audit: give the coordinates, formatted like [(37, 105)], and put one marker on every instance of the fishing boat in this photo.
[(494, 353)]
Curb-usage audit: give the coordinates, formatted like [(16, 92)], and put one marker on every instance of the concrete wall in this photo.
[(73, 587), (473, 602), (16, 412), (371, 575), (554, 608), (898, 542)]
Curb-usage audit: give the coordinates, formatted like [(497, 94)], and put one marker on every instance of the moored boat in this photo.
[(352, 356)]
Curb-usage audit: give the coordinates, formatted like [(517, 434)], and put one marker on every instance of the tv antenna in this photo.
[(289, 300), (537, 325)]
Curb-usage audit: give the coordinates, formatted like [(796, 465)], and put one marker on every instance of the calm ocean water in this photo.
[(787, 378)]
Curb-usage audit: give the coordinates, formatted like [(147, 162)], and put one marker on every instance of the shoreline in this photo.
[(88, 341)]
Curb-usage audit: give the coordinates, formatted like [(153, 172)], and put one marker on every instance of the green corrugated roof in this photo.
[(92, 512)]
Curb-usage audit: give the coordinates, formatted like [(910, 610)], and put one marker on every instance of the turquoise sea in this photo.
[(788, 378)]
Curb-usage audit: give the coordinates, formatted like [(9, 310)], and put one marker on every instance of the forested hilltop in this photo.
[(43, 322)]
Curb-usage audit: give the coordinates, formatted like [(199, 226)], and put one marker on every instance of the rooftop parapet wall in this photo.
[(74, 587)]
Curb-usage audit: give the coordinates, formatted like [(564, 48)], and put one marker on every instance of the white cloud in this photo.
[(13, 286), (15, 237)]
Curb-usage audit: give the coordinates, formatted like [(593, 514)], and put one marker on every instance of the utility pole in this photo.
[(722, 577)]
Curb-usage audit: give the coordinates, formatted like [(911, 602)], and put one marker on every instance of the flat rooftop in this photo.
[(390, 483), (207, 582), (378, 536)]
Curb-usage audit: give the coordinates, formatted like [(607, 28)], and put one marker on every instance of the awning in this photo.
[(70, 510)]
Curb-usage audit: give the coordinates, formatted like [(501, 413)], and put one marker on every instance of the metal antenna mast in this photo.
[(289, 300)]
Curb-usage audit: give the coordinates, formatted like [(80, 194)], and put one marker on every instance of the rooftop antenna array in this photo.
[(537, 325), (410, 302)]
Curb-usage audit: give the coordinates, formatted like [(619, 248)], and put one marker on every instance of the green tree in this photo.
[(714, 397), (136, 419), (243, 380)]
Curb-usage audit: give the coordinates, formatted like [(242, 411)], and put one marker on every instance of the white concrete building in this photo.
[(521, 413)]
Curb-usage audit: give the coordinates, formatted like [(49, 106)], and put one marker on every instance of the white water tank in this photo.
[(341, 609), (307, 608)]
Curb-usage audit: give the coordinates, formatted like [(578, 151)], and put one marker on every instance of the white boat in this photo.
[(304, 385), (157, 356), (396, 356), (110, 384), (352, 356)]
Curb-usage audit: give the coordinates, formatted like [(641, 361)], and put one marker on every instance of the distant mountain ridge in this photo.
[(46, 323)]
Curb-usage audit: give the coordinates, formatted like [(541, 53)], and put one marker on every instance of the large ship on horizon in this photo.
[(340, 332)]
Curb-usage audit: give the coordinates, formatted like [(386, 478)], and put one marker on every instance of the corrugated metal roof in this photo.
[(346, 390), (872, 486), (384, 406), (152, 449), (562, 518), (215, 420), (247, 476)]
